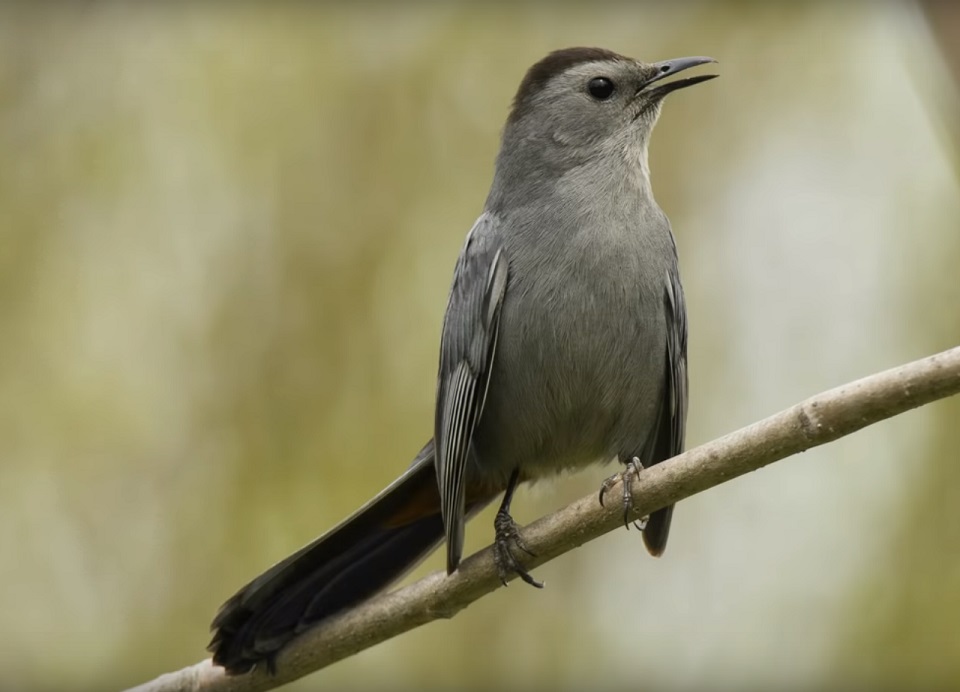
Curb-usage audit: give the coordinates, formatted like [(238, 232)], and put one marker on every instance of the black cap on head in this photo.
[(555, 63)]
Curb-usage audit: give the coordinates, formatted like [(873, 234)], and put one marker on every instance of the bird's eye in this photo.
[(601, 88)]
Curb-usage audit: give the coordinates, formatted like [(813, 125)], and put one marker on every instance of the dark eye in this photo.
[(601, 88)]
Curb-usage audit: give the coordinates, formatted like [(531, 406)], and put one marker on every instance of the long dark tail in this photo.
[(367, 552)]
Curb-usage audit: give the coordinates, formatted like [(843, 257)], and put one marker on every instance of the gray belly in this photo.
[(577, 377)]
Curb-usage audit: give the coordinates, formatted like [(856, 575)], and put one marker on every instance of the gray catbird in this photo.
[(564, 344)]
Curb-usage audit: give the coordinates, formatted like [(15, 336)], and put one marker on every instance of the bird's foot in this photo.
[(508, 537), (626, 477)]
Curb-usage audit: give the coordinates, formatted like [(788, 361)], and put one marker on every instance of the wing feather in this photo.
[(671, 425), (677, 379), (467, 350)]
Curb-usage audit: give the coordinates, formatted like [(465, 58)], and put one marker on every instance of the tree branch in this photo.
[(816, 421)]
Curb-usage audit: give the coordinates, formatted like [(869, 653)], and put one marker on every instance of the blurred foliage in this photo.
[(226, 241), (900, 627)]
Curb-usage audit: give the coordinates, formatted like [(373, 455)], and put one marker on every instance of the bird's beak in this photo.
[(668, 68)]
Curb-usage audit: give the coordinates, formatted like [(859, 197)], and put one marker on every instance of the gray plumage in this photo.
[(564, 344), (581, 358)]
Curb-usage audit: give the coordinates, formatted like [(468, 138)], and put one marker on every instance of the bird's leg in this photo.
[(507, 536), (630, 471)]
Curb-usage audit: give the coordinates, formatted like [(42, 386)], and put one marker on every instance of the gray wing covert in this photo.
[(467, 349)]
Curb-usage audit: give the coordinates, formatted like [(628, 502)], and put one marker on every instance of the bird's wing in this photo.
[(672, 422), (467, 349), (674, 419)]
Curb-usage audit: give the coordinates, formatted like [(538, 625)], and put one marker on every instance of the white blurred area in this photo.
[(227, 240)]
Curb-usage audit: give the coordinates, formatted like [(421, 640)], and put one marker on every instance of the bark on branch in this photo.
[(816, 421)]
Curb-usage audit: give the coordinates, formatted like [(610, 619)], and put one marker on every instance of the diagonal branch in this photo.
[(816, 421)]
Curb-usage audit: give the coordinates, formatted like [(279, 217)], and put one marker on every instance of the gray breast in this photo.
[(579, 365)]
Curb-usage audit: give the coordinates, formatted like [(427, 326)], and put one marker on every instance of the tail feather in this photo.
[(380, 543), (657, 530)]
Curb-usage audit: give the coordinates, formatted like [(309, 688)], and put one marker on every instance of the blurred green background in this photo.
[(226, 238)]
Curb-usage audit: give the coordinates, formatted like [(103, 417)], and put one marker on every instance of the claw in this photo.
[(507, 536), (607, 484), (630, 471)]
